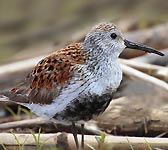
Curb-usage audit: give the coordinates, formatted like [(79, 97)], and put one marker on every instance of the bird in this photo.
[(76, 83)]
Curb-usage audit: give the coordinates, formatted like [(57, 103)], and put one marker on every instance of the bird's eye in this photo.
[(113, 36)]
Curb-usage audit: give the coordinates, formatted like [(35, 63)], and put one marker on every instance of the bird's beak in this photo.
[(142, 47)]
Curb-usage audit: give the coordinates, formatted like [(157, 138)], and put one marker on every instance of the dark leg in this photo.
[(74, 132), (82, 140)]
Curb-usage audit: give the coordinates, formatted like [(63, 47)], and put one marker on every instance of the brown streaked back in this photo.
[(49, 76)]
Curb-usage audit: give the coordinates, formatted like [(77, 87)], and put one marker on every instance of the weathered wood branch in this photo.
[(154, 70), (135, 73), (23, 123), (66, 141), (89, 127)]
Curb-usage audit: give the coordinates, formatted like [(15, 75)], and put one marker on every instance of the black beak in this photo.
[(142, 47)]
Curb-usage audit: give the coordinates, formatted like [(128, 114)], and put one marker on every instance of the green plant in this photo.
[(3, 146), (18, 113), (37, 139), (100, 140), (40, 145), (15, 115), (149, 147), (21, 146), (132, 148), (28, 112)]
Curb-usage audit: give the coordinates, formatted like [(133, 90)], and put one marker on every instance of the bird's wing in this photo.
[(49, 76)]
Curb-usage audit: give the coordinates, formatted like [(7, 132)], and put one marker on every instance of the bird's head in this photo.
[(106, 40)]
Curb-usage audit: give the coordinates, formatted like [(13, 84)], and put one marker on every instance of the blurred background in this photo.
[(30, 28)]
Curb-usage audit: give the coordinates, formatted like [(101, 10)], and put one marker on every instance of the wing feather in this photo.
[(49, 76)]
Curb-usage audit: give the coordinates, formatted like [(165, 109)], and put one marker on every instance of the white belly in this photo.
[(106, 78)]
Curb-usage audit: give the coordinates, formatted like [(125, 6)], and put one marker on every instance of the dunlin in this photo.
[(77, 82)]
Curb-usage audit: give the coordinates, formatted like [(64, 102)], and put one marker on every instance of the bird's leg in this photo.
[(74, 132), (82, 140)]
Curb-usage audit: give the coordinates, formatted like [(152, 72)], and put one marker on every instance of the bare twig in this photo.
[(18, 66), (23, 123), (154, 70), (135, 73), (89, 127)]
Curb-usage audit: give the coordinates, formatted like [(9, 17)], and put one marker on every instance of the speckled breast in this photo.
[(85, 107)]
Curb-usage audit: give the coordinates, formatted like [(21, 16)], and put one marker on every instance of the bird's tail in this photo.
[(13, 97)]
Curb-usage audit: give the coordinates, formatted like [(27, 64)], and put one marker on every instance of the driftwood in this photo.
[(23, 123), (66, 141), (90, 127), (135, 73), (154, 70), (152, 121)]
